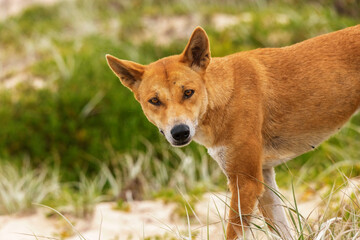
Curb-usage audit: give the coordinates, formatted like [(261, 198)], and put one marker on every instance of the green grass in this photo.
[(140, 175), (21, 187)]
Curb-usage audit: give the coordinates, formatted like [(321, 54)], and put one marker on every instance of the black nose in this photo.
[(180, 132)]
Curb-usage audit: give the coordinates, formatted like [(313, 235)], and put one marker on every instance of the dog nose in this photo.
[(180, 132)]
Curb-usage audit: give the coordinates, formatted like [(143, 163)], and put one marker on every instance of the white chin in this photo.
[(181, 144)]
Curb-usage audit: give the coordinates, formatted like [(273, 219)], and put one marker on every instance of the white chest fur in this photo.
[(219, 155)]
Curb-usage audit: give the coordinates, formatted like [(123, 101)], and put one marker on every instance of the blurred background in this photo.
[(71, 134)]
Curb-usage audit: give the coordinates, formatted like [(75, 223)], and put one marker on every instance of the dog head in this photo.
[(172, 90)]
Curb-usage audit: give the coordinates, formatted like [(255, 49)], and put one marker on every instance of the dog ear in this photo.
[(129, 73), (197, 51)]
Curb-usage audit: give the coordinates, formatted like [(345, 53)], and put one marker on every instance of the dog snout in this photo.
[(180, 132)]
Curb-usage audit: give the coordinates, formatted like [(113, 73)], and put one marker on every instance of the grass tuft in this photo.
[(20, 186)]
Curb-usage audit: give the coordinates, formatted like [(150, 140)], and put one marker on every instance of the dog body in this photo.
[(252, 110)]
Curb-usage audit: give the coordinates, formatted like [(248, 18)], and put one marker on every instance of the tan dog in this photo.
[(252, 110)]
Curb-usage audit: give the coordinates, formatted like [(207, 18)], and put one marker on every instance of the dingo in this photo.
[(252, 110)]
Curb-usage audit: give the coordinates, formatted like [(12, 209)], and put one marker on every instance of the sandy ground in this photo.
[(145, 219)]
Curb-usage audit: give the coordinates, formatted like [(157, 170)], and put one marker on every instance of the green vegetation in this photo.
[(83, 110), (171, 195), (19, 187), (82, 135), (161, 174)]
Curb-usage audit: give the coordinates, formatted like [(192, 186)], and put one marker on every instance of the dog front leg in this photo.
[(245, 183), (245, 192)]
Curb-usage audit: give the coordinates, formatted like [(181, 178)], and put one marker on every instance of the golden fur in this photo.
[(261, 107)]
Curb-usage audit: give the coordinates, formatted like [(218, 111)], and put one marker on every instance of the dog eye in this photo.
[(155, 101), (188, 93)]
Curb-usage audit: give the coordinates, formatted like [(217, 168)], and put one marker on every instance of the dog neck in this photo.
[(219, 86)]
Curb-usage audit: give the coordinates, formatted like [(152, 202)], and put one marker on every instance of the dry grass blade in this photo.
[(67, 220)]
